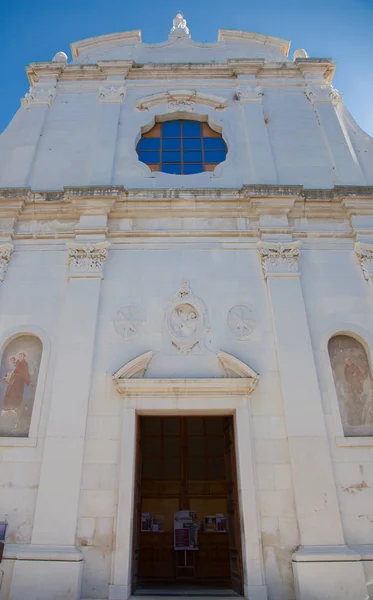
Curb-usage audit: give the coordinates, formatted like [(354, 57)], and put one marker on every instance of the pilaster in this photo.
[(252, 552), (262, 166), (315, 496), (112, 95), (120, 588), (36, 104), (60, 478), (326, 100), (316, 500)]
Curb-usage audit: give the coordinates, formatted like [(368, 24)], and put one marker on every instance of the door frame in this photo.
[(236, 405)]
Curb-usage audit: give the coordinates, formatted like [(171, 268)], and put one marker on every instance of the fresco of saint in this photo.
[(354, 384), (18, 377)]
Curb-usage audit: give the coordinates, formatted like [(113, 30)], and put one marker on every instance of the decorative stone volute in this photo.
[(112, 94), (249, 93), (364, 253), (279, 258), (39, 96), (323, 93), (87, 259), (6, 251)]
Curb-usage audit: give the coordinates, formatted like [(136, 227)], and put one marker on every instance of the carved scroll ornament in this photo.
[(364, 253), (6, 251), (112, 95), (39, 96)]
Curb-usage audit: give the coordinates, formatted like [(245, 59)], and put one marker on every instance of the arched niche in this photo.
[(19, 374), (353, 383)]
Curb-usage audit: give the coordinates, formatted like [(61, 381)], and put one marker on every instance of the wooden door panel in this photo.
[(219, 554)]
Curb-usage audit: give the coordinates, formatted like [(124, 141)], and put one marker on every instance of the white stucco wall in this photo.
[(286, 129)]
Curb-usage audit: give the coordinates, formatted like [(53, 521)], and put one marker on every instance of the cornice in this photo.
[(112, 39), (65, 207), (351, 194), (269, 73), (229, 35), (44, 70)]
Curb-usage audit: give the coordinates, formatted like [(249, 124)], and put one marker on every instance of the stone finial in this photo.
[(179, 26), (300, 53), (60, 57)]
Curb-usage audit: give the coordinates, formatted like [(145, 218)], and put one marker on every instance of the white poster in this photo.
[(185, 530)]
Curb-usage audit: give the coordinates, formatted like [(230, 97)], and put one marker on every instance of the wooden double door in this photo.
[(186, 463)]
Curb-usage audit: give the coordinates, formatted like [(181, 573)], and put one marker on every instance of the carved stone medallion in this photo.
[(241, 321), (185, 320), (128, 321)]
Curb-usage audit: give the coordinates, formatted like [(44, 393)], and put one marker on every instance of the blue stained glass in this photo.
[(213, 144), (192, 143), (214, 157), (191, 169), (192, 157), (191, 129), (171, 144), (172, 169), (168, 157), (171, 129), (149, 144), (149, 157)]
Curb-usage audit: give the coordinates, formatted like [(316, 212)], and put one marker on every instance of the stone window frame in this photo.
[(213, 110), (5, 338), (203, 163), (327, 383)]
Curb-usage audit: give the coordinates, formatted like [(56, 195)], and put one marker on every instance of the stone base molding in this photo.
[(332, 572), (44, 572)]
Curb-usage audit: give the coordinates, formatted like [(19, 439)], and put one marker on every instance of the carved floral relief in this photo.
[(354, 384), (19, 372)]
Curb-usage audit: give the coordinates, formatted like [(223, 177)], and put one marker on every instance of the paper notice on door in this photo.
[(185, 530), (221, 523), (146, 521)]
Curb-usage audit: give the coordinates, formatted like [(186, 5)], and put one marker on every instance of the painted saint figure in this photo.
[(355, 379), (354, 384), (16, 381), (19, 371)]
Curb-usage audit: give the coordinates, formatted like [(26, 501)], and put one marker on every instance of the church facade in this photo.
[(186, 263)]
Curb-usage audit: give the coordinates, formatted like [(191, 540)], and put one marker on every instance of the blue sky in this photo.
[(340, 29)]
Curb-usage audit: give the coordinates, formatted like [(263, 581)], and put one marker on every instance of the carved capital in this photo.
[(87, 260), (113, 94), (323, 93), (279, 259), (249, 93), (39, 96), (6, 251), (364, 253)]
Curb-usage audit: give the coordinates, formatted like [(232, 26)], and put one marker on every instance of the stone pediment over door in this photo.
[(237, 379)]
